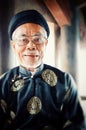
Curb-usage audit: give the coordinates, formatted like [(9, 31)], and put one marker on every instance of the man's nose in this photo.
[(31, 45)]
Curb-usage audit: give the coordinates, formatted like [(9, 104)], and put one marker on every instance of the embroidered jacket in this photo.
[(47, 100)]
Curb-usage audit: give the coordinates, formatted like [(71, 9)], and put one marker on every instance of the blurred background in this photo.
[(67, 42)]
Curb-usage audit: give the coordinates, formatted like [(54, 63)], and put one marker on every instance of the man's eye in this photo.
[(37, 40), (25, 40)]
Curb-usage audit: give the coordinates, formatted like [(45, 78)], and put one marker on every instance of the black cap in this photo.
[(27, 16)]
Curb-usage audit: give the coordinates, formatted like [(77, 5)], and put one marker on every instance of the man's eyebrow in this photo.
[(24, 35), (36, 34)]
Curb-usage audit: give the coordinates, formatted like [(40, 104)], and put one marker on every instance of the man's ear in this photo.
[(12, 45), (46, 42)]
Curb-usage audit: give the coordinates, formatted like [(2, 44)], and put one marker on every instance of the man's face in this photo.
[(28, 42)]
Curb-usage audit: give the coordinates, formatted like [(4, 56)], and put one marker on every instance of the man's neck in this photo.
[(33, 70)]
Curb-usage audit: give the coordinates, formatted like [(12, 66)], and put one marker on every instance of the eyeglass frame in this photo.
[(26, 38)]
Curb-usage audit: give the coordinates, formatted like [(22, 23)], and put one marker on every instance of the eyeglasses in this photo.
[(24, 40)]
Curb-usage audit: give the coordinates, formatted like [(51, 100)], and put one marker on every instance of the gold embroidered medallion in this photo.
[(18, 84), (3, 105), (12, 115), (50, 77), (34, 105), (67, 93)]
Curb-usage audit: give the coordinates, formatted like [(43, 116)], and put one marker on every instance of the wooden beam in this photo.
[(60, 12), (80, 3)]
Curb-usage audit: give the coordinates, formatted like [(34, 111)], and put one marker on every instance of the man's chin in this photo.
[(30, 65)]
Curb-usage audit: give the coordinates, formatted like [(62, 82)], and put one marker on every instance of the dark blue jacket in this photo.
[(47, 100)]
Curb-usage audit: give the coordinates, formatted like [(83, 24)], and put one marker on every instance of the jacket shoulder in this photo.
[(59, 73), (9, 73)]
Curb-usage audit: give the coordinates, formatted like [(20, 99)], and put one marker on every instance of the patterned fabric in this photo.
[(47, 100)]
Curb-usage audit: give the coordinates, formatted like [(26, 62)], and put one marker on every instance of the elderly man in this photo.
[(33, 95)]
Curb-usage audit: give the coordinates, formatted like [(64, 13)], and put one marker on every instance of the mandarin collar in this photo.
[(27, 73)]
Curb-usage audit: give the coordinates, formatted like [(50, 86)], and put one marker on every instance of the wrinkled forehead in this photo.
[(29, 29)]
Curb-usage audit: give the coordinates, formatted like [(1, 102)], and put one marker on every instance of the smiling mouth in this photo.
[(31, 55)]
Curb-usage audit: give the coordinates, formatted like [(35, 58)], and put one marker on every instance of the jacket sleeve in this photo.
[(2, 104), (72, 111), (2, 118)]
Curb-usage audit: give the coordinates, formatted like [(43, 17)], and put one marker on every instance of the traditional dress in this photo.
[(46, 100)]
